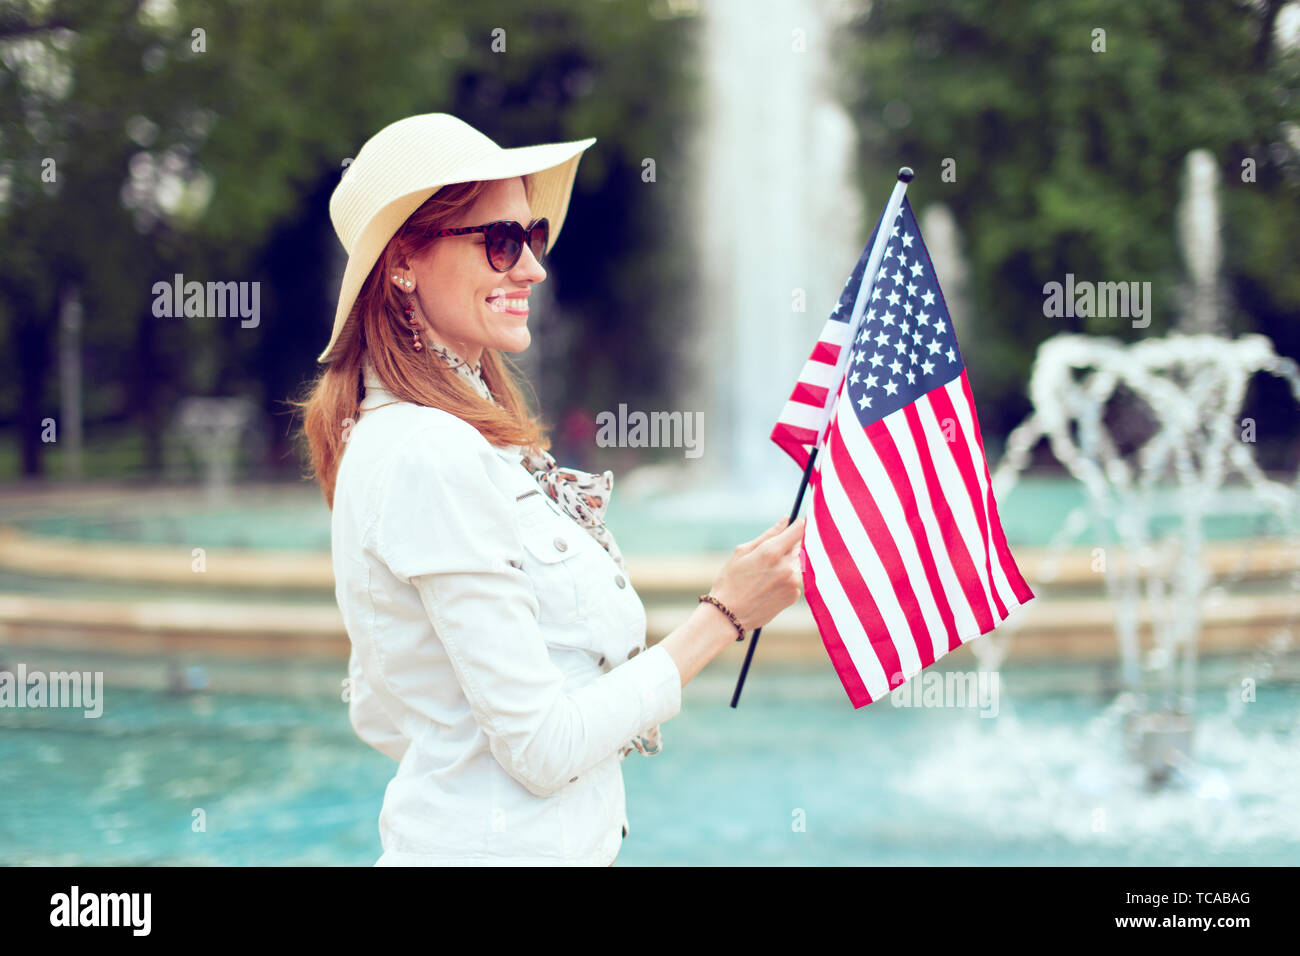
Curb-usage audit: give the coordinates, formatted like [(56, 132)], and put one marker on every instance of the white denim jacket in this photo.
[(498, 652)]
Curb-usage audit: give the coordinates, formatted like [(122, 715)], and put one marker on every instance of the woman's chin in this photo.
[(517, 340)]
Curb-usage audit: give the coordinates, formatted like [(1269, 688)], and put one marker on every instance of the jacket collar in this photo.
[(376, 395)]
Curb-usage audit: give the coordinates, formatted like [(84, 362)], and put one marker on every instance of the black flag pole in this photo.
[(753, 641), (868, 281)]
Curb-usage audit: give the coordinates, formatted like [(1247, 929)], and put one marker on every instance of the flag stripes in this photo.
[(905, 559), (796, 428), (904, 555)]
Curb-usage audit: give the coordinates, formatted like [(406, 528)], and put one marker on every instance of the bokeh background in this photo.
[(156, 526)]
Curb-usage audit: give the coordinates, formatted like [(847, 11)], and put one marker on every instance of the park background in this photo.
[(743, 153)]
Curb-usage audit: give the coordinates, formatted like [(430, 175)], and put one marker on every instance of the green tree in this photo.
[(204, 138), (1069, 159)]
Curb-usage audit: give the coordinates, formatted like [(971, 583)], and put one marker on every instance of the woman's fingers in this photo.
[(765, 536), (790, 537), (787, 542)]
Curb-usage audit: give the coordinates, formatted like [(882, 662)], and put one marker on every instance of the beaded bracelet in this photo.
[(723, 608)]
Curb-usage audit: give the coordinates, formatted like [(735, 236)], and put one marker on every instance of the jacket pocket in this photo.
[(549, 562)]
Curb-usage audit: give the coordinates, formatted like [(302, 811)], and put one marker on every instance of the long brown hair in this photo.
[(377, 328)]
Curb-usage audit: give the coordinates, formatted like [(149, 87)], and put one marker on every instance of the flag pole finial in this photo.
[(905, 174)]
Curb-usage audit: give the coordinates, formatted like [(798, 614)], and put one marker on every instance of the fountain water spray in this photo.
[(213, 429), (1186, 392)]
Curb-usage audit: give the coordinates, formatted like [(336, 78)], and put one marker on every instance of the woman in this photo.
[(498, 649)]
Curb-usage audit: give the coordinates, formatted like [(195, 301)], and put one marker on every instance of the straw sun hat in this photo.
[(407, 162)]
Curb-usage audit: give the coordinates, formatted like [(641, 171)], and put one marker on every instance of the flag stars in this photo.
[(904, 310)]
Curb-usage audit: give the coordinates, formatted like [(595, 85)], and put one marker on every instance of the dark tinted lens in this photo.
[(505, 240), (537, 242)]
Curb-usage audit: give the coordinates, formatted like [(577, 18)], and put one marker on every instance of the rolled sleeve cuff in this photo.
[(653, 677)]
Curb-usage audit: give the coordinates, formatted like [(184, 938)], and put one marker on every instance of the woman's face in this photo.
[(464, 303)]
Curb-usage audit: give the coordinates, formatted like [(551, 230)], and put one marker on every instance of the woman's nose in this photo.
[(528, 268)]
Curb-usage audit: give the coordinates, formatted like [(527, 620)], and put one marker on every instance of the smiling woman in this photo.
[(468, 291), (498, 648), (454, 312)]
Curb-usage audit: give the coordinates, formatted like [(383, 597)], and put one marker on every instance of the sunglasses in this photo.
[(504, 240)]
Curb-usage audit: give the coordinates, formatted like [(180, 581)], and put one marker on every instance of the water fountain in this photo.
[(1201, 245), (780, 228), (1152, 430), (1093, 398), (212, 429)]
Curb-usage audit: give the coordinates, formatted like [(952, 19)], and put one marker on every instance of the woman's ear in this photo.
[(401, 277)]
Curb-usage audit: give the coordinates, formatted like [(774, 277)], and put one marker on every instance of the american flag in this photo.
[(903, 554)]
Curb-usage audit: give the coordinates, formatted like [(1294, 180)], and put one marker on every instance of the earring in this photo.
[(409, 312)]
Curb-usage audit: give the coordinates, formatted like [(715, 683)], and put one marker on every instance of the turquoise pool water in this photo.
[(295, 518), (281, 779)]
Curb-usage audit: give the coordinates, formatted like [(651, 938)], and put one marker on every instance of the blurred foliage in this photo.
[(1069, 160), (218, 164)]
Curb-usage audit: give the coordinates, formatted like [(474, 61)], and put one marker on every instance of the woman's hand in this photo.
[(762, 577)]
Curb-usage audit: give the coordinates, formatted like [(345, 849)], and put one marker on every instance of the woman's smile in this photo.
[(514, 304)]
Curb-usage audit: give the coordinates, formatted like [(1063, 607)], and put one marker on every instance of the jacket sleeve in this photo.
[(443, 526), (367, 716)]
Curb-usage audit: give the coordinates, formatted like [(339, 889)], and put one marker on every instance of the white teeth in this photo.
[(502, 303)]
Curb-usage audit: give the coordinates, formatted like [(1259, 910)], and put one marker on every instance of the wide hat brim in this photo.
[(405, 163)]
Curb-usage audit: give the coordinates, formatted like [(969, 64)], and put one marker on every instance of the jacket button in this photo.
[(618, 579), (633, 653), (573, 780), (602, 659), (515, 564), (625, 833), (561, 544)]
